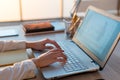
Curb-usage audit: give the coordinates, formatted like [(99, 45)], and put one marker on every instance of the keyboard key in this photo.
[(73, 63)]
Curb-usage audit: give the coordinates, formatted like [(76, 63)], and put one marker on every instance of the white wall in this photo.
[(9, 10), (42, 9)]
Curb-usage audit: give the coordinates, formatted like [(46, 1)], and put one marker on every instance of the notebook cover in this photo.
[(11, 57), (38, 27), (59, 26)]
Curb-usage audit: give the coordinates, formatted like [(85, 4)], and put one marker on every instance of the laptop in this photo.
[(90, 47)]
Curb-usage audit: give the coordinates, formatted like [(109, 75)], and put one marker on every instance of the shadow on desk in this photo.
[(83, 76)]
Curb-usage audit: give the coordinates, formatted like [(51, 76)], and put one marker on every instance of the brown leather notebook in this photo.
[(38, 27)]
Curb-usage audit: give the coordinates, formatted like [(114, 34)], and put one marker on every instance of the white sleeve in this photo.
[(18, 71), (12, 45)]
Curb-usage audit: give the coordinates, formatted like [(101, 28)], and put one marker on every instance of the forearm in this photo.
[(29, 44), (18, 71), (12, 45)]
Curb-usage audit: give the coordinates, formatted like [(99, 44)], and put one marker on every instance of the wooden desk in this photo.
[(110, 72)]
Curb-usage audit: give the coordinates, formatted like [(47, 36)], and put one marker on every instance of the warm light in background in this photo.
[(9, 8), (17, 10)]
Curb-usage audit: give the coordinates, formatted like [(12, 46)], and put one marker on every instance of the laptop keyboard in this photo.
[(73, 63)]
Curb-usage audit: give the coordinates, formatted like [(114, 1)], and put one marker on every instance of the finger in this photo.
[(49, 47), (61, 60), (57, 53), (56, 50), (61, 55), (53, 42)]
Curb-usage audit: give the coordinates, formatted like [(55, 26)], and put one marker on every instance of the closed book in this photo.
[(10, 57), (38, 27)]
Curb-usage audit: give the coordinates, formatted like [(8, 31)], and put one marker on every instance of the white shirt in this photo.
[(18, 71)]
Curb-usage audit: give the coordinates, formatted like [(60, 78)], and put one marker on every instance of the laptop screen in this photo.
[(97, 34)]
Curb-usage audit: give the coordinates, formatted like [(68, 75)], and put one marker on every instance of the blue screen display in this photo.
[(97, 33)]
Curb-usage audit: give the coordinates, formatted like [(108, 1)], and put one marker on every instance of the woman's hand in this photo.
[(42, 44), (53, 55)]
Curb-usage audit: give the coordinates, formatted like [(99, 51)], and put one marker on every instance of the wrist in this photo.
[(28, 44), (35, 60)]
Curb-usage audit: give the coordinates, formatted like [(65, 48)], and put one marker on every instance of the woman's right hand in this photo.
[(51, 56)]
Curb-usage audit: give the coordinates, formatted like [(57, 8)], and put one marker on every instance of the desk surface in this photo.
[(110, 72)]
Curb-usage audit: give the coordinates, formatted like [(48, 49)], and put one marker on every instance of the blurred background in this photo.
[(22, 10)]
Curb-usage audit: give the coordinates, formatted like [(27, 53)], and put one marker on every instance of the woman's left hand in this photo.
[(42, 44)]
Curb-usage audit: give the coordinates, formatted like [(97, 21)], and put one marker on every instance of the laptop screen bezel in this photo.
[(87, 51)]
